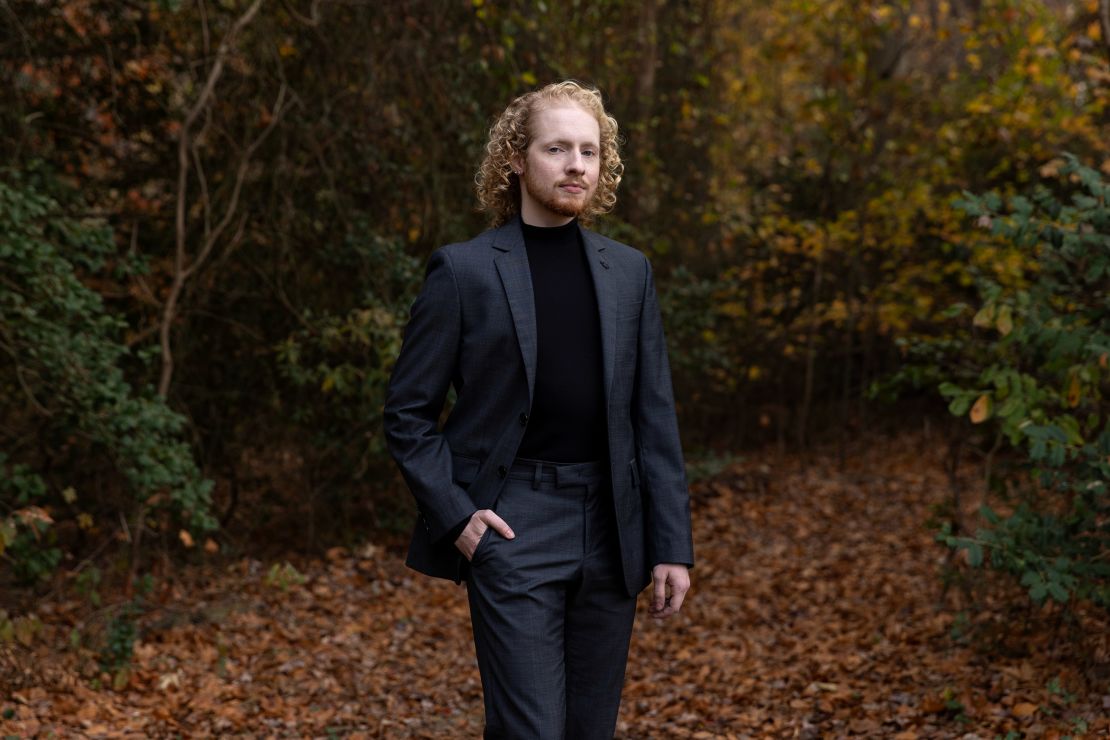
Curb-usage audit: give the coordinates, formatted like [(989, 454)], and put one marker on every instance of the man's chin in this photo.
[(570, 208)]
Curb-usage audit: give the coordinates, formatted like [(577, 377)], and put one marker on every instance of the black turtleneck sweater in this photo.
[(567, 421)]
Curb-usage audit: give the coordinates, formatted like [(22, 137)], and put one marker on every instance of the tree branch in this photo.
[(184, 145)]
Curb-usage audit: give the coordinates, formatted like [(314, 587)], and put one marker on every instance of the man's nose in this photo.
[(576, 163)]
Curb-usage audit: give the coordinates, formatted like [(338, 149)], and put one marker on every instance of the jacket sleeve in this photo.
[(663, 481), (415, 397)]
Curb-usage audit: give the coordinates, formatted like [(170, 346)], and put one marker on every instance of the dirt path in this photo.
[(817, 612)]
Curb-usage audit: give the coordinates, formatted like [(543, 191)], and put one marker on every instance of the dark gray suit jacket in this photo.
[(473, 326)]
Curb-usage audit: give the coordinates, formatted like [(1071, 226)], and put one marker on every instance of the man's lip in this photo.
[(572, 185)]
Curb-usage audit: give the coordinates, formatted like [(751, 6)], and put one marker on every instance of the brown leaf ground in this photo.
[(818, 611)]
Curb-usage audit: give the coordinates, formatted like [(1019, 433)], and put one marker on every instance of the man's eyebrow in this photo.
[(568, 142)]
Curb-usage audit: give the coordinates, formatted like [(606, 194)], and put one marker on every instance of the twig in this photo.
[(181, 270)]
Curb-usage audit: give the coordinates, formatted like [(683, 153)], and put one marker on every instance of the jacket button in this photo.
[(524, 420), (502, 471)]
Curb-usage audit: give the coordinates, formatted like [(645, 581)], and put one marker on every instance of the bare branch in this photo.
[(184, 145), (313, 18), (240, 178), (202, 180)]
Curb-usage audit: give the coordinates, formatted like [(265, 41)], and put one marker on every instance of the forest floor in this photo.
[(817, 611)]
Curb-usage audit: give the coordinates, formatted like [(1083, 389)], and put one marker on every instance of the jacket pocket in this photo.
[(464, 469)]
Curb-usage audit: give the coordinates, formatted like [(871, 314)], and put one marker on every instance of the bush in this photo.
[(336, 367), (1040, 362), (62, 385)]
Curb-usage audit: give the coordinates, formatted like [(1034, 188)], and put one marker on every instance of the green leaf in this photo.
[(1058, 592), (974, 554)]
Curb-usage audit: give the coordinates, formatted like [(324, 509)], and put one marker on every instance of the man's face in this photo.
[(558, 174)]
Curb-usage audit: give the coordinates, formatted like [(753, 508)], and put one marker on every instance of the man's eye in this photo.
[(554, 149), (589, 153)]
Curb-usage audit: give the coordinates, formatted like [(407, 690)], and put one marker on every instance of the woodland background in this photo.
[(865, 217)]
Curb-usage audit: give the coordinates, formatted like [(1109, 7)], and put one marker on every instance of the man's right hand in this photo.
[(480, 521)]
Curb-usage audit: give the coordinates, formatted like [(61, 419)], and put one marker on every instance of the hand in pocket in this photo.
[(480, 521)]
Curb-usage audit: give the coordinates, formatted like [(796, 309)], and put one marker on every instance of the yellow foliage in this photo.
[(979, 106), (984, 318), (732, 309), (1075, 391), (1005, 320), (838, 310), (981, 411), (1051, 168)]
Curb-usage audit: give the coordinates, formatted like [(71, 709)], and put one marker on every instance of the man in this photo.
[(556, 486)]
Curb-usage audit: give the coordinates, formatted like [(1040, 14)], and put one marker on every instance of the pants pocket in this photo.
[(481, 542)]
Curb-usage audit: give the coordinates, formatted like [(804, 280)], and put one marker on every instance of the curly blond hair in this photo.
[(499, 187)]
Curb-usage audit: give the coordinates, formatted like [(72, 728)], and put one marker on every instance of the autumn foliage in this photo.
[(214, 216)]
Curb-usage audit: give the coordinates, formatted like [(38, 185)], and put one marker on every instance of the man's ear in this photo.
[(516, 161)]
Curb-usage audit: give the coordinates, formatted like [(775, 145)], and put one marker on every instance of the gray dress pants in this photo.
[(551, 617)]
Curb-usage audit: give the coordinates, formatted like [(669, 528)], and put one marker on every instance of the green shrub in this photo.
[(61, 376), (1038, 355), (337, 364)]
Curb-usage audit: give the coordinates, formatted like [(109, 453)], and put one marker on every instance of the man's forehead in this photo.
[(564, 117)]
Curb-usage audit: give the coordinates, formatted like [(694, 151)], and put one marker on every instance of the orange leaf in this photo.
[(32, 514), (1074, 391), (981, 411)]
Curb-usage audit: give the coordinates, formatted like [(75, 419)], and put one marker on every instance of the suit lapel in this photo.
[(606, 302), (516, 277)]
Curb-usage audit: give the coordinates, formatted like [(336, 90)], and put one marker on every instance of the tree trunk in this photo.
[(811, 349)]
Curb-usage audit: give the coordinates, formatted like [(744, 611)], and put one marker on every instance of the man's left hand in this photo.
[(672, 578)]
